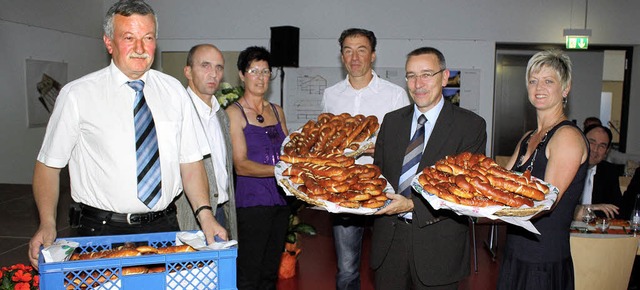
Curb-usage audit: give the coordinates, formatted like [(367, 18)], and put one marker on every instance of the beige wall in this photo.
[(615, 88), (173, 63)]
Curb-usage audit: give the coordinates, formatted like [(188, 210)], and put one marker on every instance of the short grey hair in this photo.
[(553, 59), (127, 8)]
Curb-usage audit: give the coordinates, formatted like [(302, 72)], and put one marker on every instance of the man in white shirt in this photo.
[(361, 92), (204, 70), (93, 128)]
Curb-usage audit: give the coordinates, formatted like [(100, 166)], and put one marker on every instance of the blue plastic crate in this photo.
[(192, 270)]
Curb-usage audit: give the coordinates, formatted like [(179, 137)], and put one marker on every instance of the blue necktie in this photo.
[(412, 157), (147, 154)]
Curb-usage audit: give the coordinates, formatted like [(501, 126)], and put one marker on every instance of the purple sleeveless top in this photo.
[(263, 146)]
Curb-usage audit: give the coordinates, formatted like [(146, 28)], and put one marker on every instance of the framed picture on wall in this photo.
[(452, 91), (44, 81)]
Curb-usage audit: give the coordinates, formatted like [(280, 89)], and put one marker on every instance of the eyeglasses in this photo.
[(598, 146), (256, 72), (425, 76)]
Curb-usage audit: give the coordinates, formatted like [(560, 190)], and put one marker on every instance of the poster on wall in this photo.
[(452, 91), (44, 81), (306, 85)]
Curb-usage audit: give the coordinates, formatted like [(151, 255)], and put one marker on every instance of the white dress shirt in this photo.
[(92, 129), (432, 117), (587, 192), (215, 139), (378, 98)]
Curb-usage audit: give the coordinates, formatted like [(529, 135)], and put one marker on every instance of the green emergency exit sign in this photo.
[(577, 42)]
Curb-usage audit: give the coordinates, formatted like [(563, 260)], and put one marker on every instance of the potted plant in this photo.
[(292, 250), (19, 277)]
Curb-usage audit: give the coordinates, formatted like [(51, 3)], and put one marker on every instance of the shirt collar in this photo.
[(432, 115), (373, 84), (120, 78), (202, 108)]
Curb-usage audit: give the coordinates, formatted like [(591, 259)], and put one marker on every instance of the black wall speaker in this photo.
[(285, 42)]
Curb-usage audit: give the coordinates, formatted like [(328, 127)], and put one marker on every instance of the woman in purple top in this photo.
[(257, 131)]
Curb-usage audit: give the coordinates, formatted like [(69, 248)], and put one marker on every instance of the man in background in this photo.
[(205, 70), (361, 92), (590, 121), (602, 185)]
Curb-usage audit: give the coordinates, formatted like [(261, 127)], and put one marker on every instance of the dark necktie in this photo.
[(147, 154), (412, 157)]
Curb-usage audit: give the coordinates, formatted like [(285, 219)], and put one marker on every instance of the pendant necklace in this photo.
[(540, 144), (259, 116)]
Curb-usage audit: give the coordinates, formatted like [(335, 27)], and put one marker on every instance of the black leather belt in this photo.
[(405, 220), (124, 218)]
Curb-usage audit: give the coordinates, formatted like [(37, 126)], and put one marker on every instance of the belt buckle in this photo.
[(133, 222), (147, 218)]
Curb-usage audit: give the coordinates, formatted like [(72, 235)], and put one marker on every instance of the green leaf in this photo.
[(291, 238), (304, 228)]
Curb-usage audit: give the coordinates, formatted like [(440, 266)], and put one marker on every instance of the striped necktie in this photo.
[(147, 154), (412, 157)]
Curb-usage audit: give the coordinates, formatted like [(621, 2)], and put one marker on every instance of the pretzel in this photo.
[(371, 127), (98, 277), (330, 134), (476, 180), (479, 201), (123, 253), (356, 132), (133, 270), (498, 195), (462, 182), (147, 250), (373, 203), (90, 281), (176, 249), (455, 190), (353, 195), (349, 186), (322, 171), (156, 269)]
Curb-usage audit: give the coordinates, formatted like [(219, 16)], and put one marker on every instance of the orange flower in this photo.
[(36, 281), (21, 276), (22, 286)]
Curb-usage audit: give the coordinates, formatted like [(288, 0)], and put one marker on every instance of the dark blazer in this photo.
[(440, 238), (629, 197), (606, 186)]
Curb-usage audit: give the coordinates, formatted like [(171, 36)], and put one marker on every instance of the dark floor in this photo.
[(317, 265), (20, 220), (316, 269)]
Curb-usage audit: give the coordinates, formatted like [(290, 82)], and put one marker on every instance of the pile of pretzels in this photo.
[(319, 168), (331, 134), (337, 179), (476, 180), (98, 277)]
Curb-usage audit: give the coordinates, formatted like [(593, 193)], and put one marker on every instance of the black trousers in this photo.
[(261, 236), (91, 226)]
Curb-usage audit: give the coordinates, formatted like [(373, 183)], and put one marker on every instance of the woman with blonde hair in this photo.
[(556, 152)]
